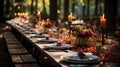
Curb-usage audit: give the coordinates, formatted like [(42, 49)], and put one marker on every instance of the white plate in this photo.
[(49, 40), (76, 60), (55, 46)]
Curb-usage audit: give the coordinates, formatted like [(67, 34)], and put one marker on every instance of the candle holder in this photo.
[(103, 28), (69, 27), (102, 31)]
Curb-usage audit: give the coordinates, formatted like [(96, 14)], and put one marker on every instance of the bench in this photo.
[(18, 51), (20, 57), (26, 65), (16, 46)]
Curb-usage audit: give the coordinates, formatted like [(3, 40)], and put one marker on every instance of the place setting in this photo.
[(47, 40), (58, 47), (31, 35), (29, 32), (80, 60)]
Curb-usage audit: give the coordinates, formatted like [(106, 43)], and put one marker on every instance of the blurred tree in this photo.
[(59, 9), (36, 5), (88, 7), (7, 7), (83, 7), (44, 14), (66, 9), (19, 1), (53, 10), (96, 7), (1, 11), (73, 5), (32, 1), (44, 8), (111, 15), (101, 6)]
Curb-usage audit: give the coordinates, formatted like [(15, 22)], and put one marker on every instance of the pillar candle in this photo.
[(102, 21), (70, 18)]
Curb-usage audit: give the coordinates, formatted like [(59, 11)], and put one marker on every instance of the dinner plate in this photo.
[(45, 35), (56, 47), (38, 37), (33, 35), (50, 40), (74, 59), (29, 32)]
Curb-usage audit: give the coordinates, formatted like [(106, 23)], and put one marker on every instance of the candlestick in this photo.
[(103, 27), (39, 16)]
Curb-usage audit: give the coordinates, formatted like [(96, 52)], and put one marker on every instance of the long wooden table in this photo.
[(44, 57)]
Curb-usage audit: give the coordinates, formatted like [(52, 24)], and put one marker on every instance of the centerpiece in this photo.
[(82, 35), (47, 25)]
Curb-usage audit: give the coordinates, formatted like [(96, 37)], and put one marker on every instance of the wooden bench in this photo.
[(24, 61), (26, 65), (13, 41), (18, 51), (10, 39), (20, 57), (14, 46)]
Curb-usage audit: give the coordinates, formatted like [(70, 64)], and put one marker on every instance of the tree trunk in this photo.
[(59, 8), (44, 8), (83, 8), (53, 10), (19, 1), (83, 11), (1, 11), (7, 7), (73, 6), (111, 15), (96, 7), (12, 9), (66, 9), (44, 13), (32, 6), (88, 7), (36, 5), (59, 5), (100, 7)]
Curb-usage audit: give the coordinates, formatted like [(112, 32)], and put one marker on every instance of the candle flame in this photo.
[(103, 16), (71, 14)]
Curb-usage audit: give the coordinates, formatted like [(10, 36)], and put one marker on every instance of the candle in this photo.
[(39, 15), (102, 20), (70, 18)]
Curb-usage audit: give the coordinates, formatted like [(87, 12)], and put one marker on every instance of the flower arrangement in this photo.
[(81, 31), (47, 24), (82, 35)]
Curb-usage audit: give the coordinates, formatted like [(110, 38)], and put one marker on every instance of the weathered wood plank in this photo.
[(23, 59), (15, 46), (27, 65), (18, 51)]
